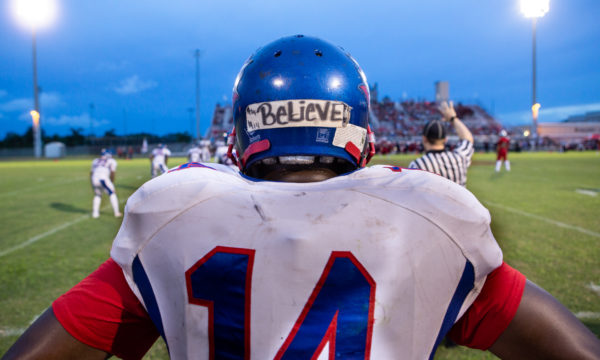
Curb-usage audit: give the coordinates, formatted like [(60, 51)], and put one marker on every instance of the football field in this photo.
[(545, 216)]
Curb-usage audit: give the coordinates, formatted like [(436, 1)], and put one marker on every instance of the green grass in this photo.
[(546, 229)]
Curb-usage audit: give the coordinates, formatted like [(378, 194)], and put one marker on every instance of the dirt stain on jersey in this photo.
[(260, 212)]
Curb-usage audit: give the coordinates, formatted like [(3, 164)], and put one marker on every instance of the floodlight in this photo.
[(535, 109), (35, 117), (35, 14), (535, 8)]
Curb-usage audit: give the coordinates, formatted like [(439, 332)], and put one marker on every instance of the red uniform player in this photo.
[(502, 151)]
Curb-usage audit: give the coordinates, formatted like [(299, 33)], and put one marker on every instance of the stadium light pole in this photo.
[(534, 9), (197, 56), (191, 112), (92, 107), (35, 14)]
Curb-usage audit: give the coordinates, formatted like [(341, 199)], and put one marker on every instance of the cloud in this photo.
[(47, 101), (133, 85), (22, 104), (563, 112), (26, 117), (82, 121), (551, 114)]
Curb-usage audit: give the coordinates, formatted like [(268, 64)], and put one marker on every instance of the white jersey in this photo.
[(197, 154), (159, 155), (221, 155), (378, 263), (102, 167)]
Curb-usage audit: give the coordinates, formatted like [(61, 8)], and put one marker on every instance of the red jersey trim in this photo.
[(102, 312), (492, 311)]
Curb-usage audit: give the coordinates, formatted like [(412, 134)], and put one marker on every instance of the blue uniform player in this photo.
[(305, 253)]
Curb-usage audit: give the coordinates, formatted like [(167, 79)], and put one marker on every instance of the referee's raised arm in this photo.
[(449, 114), (449, 164)]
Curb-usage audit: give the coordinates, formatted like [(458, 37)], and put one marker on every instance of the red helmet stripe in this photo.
[(254, 148), (353, 150)]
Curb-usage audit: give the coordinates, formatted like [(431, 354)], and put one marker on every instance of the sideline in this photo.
[(545, 219)]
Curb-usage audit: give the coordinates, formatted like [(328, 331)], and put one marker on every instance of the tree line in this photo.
[(76, 137)]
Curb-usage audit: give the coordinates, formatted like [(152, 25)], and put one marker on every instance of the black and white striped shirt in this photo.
[(449, 164)]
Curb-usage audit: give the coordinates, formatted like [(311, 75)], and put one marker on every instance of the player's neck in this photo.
[(301, 176), (433, 147)]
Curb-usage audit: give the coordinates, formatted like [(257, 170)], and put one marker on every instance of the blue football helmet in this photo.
[(300, 102), (105, 153)]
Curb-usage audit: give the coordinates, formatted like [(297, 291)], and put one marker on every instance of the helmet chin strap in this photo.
[(362, 159), (371, 140), (254, 148), (230, 142)]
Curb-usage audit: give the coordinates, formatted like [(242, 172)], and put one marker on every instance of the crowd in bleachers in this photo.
[(401, 120), (398, 124)]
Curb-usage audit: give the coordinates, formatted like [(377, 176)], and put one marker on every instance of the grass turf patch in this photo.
[(546, 228)]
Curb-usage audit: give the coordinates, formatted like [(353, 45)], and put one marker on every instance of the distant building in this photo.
[(593, 116), (222, 122), (374, 91), (55, 150), (569, 131), (574, 129), (442, 91)]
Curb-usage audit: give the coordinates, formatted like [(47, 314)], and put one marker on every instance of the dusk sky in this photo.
[(129, 65)]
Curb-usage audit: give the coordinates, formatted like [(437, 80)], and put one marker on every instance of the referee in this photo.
[(449, 164)]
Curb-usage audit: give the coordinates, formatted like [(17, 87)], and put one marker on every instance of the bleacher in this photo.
[(398, 125)]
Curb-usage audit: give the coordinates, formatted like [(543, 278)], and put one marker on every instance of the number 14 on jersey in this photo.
[(339, 311)]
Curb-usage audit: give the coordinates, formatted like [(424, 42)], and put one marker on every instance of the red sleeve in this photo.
[(102, 311), (492, 311)]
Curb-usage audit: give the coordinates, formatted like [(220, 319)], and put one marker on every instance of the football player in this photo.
[(102, 177), (307, 253), (159, 159), (199, 152), (502, 151)]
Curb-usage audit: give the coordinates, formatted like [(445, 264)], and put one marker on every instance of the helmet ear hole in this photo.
[(318, 53), (277, 53)]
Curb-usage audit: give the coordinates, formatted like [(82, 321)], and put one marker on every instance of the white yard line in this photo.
[(545, 219), (587, 315), (41, 186), (49, 232), (595, 288), (42, 235), (590, 315), (7, 331), (586, 192)]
